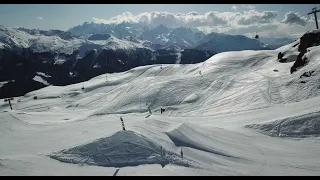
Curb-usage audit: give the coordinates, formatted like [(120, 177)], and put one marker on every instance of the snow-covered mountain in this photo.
[(219, 42), (26, 52), (180, 37), (237, 113), (183, 38), (120, 31), (275, 43), (91, 49)]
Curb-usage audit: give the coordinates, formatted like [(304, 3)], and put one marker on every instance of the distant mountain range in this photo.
[(36, 58)]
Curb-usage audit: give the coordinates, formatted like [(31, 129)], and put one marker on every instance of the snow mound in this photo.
[(124, 148), (307, 125), (191, 98), (186, 135)]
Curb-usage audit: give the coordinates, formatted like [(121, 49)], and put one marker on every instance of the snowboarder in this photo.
[(181, 152)]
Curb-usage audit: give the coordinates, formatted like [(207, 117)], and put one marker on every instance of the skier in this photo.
[(149, 108), (122, 124), (163, 153), (181, 152)]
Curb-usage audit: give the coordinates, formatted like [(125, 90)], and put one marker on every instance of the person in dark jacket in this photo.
[(122, 123)]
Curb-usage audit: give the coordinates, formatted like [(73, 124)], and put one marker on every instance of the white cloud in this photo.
[(253, 16), (234, 7), (169, 19), (192, 19), (247, 22), (294, 18), (248, 6), (40, 18)]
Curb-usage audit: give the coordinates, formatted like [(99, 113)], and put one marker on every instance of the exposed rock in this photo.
[(300, 62), (307, 74), (311, 38)]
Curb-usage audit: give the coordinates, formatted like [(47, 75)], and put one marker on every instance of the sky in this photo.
[(247, 19)]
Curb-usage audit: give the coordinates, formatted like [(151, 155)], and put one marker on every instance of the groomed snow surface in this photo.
[(238, 113)]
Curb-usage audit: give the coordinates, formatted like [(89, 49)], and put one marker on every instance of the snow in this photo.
[(298, 126), (41, 80), (226, 120), (3, 83), (43, 74), (10, 38), (314, 31), (124, 148), (60, 60)]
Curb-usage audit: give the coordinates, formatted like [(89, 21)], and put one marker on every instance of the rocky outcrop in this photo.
[(300, 62), (311, 38), (99, 37)]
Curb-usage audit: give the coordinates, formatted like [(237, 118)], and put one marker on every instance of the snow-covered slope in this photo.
[(268, 82), (210, 110), (306, 125)]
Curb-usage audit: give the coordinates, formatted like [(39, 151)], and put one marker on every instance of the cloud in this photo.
[(192, 19), (249, 22), (249, 6), (253, 16), (293, 18), (40, 18), (234, 7), (156, 18)]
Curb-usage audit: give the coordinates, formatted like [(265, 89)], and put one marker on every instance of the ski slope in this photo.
[(215, 111)]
